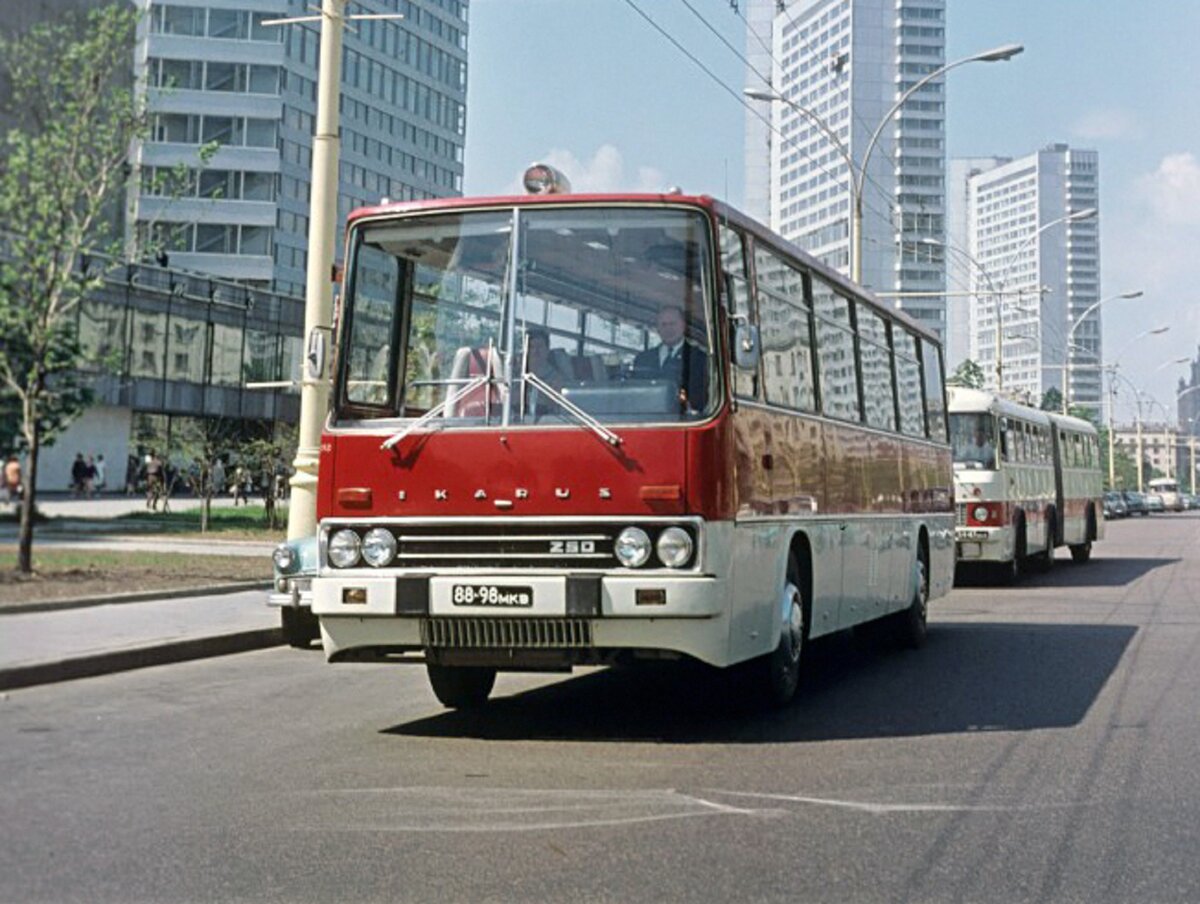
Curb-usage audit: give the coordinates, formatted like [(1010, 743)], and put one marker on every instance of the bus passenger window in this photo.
[(786, 334)]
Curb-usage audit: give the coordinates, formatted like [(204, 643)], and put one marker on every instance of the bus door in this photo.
[(1060, 454)]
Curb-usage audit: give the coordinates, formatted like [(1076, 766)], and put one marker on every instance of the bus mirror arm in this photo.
[(745, 342)]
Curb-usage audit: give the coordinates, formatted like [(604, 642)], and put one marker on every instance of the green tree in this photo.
[(63, 174), (968, 375), (1052, 400)]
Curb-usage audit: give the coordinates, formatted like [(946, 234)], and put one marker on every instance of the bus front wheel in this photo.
[(461, 687), (772, 679), (1081, 552)]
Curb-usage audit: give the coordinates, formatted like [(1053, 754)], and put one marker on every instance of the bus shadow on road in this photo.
[(969, 678), (1099, 572)]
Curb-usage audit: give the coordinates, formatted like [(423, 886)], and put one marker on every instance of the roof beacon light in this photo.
[(543, 179)]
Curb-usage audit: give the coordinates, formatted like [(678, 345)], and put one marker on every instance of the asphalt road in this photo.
[(1042, 747)]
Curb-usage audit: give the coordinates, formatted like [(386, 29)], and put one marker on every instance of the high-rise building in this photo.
[(847, 62), (1039, 270), (959, 263), (221, 79)]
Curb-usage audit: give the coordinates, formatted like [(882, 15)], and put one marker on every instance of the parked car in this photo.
[(1135, 502), (1155, 503), (1114, 505), (1191, 501), (295, 564)]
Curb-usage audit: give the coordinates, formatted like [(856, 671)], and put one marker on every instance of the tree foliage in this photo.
[(969, 375), (63, 174)]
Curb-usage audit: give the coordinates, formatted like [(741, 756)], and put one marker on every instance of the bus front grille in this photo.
[(518, 633)]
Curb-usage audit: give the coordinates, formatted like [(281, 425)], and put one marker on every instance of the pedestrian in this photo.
[(154, 480), (78, 474), (12, 478), (132, 470), (89, 477), (218, 477), (101, 474), (241, 486)]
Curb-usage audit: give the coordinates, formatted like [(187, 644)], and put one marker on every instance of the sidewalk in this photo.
[(44, 647), (77, 639)]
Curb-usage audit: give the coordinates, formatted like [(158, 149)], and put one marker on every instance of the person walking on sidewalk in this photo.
[(12, 479), (79, 470), (154, 480), (101, 479)]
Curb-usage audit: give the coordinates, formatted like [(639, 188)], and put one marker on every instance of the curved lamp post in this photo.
[(858, 174), (1066, 380)]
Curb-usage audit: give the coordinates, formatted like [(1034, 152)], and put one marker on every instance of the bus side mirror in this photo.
[(745, 344)]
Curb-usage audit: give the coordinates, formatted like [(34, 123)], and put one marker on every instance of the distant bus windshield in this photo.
[(973, 440), (531, 316)]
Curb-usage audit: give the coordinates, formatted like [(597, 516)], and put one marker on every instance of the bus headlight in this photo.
[(378, 547), (633, 547), (981, 513), (284, 557), (344, 548), (674, 547)]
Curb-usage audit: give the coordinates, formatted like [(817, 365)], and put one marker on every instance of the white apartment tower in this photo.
[(219, 77), (1040, 270), (847, 62)]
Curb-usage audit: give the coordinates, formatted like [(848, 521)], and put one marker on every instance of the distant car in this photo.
[(1135, 502), (295, 564), (1154, 503), (1114, 506)]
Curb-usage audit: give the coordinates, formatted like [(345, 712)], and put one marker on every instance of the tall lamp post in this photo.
[(1113, 374), (858, 174), (1066, 379), (1191, 435), (1074, 217)]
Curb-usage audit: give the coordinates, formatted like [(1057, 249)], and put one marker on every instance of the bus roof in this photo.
[(964, 401), (720, 209)]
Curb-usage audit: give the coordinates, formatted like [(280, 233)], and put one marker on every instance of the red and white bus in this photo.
[(726, 451), (1026, 481)]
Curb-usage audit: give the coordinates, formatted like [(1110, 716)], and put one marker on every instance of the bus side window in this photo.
[(786, 329), (1006, 440), (740, 301), (935, 390)]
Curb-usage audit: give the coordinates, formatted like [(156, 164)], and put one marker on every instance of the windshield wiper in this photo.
[(571, 408), (436, 411)]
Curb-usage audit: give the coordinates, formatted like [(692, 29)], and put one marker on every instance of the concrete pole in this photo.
[(1112, 466), (318, 299), (1139, 445), (1192, 450)]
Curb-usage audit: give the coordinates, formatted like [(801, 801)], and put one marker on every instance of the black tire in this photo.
[(1045, 559), (911, 627), (1013, 570), (1081, 552), (771, 680), (300, 627), (461, 687)]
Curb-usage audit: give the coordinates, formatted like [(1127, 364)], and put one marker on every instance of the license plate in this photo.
[(499, 596)]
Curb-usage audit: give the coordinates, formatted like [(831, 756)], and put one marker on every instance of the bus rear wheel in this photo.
[(461, 687)]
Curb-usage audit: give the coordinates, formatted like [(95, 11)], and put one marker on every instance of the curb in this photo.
[(138, 658), (140, 596)]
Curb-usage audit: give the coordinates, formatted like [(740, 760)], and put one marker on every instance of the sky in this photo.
[(594, 88)]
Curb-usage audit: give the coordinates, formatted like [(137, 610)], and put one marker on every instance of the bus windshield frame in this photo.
[(973, 440), (613, 307)]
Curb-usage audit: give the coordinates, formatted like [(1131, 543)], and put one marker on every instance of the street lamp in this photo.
[(1066, 379), (858, 175), (1074, 217)]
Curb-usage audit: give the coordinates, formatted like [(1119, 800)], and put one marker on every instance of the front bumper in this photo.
[(984, 544), (581, 618), (297, 596)]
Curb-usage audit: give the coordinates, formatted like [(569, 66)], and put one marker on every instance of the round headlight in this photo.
[(981, 513), (674, 547), (344, 548), (633, 547), (284, 557), (378, 547)]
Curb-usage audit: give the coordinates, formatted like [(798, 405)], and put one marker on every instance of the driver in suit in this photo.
[(675, 360)]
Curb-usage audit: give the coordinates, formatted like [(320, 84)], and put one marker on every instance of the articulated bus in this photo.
[(1026, 481), (590, 429)]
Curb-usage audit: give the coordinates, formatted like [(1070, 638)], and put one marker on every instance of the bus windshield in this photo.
[(530, 316), (973, 439)]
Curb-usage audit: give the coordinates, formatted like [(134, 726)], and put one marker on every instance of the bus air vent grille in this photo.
[(960, 514), (523, 633)]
